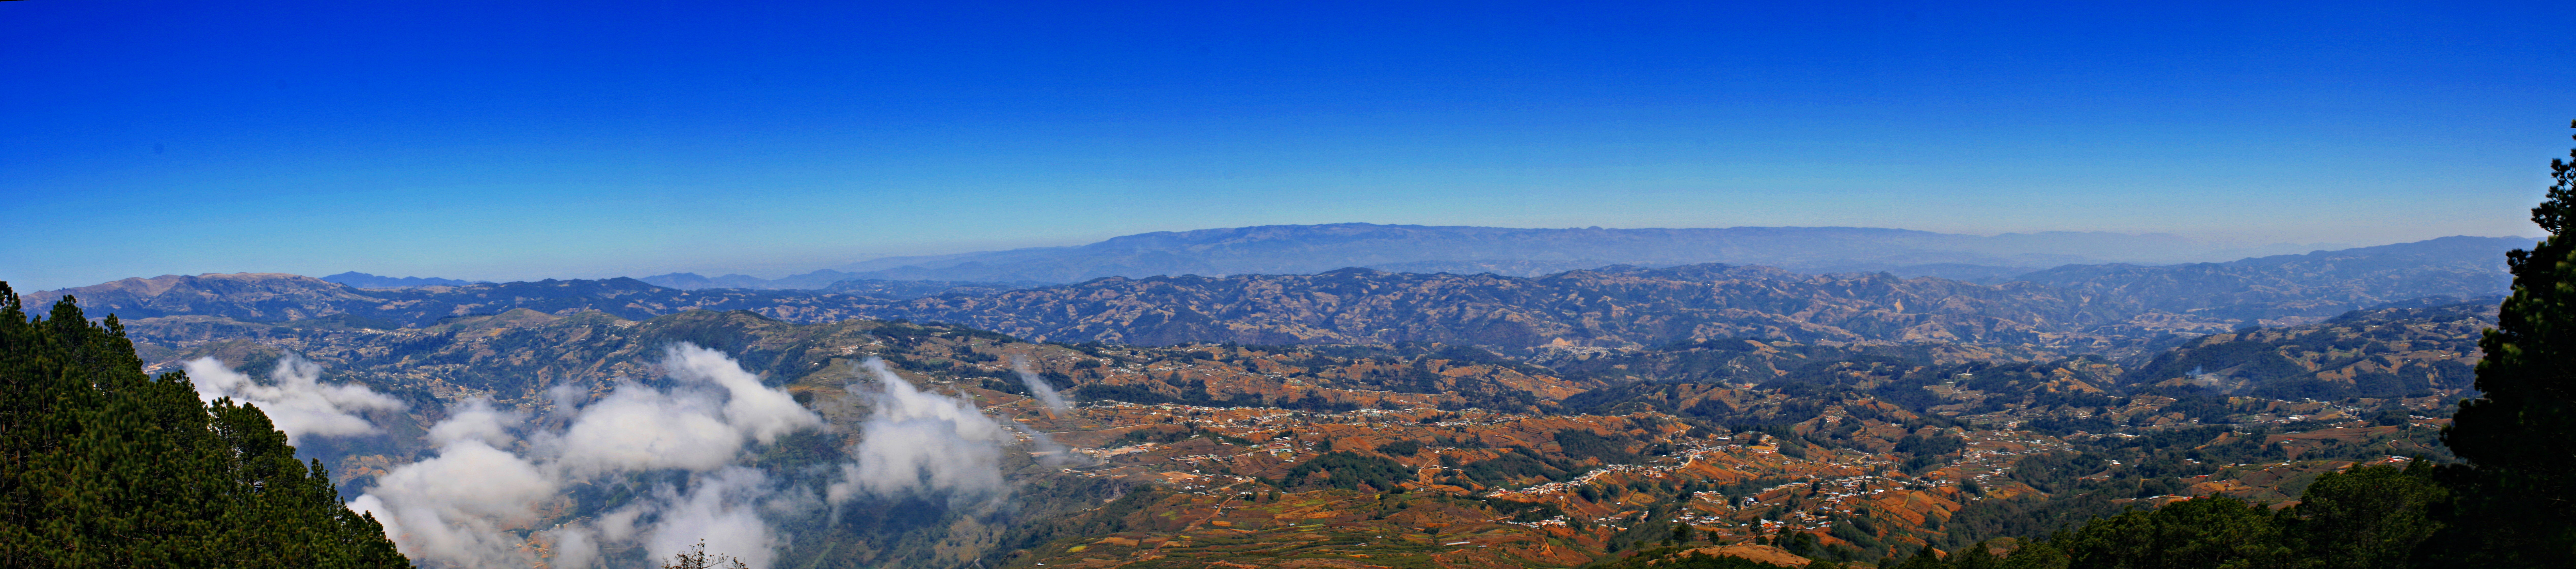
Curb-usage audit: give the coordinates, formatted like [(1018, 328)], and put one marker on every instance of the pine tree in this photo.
[(2516, 502), (103, 466)]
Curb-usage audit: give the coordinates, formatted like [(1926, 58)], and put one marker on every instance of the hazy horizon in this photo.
[(573, 140), (792, 268)]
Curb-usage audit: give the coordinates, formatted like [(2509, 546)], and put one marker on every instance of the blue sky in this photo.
[(515, 140)]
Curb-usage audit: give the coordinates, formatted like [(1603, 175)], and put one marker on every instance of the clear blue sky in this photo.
[(518, 140)]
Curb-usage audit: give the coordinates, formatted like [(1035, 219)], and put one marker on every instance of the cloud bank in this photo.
[(495, 476), (451, 509), (458, 508)]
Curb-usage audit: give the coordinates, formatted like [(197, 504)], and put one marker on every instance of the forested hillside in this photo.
[(102, 466)]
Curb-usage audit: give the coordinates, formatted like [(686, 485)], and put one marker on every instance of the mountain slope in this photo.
[(1613, 307), (2384, 353), (2284, 287), (273, 297)]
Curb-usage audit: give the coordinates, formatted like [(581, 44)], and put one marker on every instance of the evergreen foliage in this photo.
[(2200, 533), (2519, 439), (2368, 518), (103, 466)]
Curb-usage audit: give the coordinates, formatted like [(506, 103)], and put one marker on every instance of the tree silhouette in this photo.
[(2519, 438)]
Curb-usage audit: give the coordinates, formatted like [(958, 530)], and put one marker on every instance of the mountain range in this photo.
[(2085, 308), (1429, 446), (1354, 413), (1307, 249), (363, 280), (2102, 307)]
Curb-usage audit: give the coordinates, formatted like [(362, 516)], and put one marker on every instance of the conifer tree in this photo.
[(103, 466), (2516, 503)]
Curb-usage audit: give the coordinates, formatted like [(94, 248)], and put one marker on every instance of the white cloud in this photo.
[(452, 509), (689, 427), (722, 508), (463, 507), (475, 420), (920, 441), (575, 547), (295, 399), (641, 428), (756, 410)]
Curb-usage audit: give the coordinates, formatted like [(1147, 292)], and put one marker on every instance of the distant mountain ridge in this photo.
[(691, 281), (1309, 249), (1618, 306), (2321, 283), (836, 281), (2074, 308), (363, 280)]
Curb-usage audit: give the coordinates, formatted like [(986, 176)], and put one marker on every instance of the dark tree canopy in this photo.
[(2373, 517), (2520, 436), (103, 466), (2196, 533)]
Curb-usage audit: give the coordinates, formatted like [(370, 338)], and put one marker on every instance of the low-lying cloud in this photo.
[(641, 428), (451, 509), (294, 398), (454, 509), (918, 441), (468, 505), (690, 427)]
